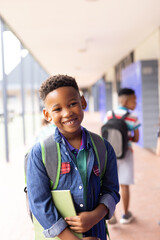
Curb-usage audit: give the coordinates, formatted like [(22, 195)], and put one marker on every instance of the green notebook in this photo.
[(65, 206)]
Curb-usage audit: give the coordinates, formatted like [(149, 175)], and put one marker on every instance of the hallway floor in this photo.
[(145, 201)]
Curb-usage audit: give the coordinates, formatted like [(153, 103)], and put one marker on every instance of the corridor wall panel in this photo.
[(142, 76)]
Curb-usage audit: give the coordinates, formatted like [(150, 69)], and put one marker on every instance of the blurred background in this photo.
[(104, 44)]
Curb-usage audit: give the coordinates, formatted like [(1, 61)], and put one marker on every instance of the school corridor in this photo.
[(145, 196)]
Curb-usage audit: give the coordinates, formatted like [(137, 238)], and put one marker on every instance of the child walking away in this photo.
[(127, 101), (94, 199)]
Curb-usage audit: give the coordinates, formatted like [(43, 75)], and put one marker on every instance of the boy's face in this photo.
[(131, 102), (64, 107)]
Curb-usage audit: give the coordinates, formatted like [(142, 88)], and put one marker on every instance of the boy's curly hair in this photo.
[(55, 82)]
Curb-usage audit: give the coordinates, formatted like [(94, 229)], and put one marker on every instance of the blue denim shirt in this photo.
[(39, 191)]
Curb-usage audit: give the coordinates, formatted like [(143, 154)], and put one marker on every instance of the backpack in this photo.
[(115, 131), (49, 147)]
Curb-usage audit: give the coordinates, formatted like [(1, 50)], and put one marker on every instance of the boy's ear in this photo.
[(46, 115), (83, 102), (123, 100)]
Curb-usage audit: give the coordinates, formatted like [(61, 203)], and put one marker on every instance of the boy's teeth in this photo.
[(69, 122)]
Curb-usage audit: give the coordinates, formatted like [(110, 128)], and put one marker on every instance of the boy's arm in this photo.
[(67, 234), (133, 127), (39, 194), (135, 138)]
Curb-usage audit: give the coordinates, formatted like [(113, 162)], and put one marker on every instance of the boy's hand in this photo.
[(86, 220), (81, 223)]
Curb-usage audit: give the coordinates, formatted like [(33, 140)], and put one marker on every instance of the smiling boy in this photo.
[(79, 168)]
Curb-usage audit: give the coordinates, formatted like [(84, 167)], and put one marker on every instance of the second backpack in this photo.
[(116, 133)]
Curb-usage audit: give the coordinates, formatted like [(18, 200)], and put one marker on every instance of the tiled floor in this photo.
[(145, 196)]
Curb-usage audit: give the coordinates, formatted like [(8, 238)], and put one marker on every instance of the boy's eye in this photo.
[(56, 109), (73, 104)]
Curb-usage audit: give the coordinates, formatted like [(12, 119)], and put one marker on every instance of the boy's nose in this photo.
[(67, 112)]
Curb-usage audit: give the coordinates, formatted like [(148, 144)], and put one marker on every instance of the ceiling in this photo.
[(81, 38)]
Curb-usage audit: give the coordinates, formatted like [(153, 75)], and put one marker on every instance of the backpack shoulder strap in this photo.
[(100, 151), (51, 158), (113, 114), (125, 115)]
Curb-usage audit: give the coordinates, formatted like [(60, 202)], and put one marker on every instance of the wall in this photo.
[(110, 77), (142, 76), (150, 49)]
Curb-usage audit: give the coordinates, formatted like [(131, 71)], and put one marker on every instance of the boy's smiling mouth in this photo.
[(70, 122)]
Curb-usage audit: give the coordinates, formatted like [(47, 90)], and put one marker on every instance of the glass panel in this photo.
[(28, 76), (14, 104), (23, 78)]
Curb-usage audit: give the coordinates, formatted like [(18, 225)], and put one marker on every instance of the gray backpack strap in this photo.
[(51, 157), (125, 115), (100, 151)]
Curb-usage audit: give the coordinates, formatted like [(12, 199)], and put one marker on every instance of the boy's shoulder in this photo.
[(35, 150), (119, 112)]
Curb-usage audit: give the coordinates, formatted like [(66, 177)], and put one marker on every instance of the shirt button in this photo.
[(76, 168), (80, 187), (81, 205)]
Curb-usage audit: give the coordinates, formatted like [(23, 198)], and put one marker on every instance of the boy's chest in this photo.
[(70, 174)]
